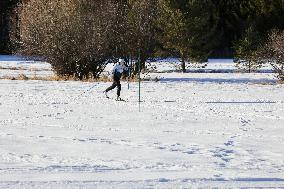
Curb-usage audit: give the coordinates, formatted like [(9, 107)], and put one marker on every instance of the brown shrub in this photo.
[(72, 35), (273, 52)]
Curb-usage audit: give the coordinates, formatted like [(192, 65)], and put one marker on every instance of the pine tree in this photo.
[(188, 29), (247, 50), (6, 10), (260, 17)]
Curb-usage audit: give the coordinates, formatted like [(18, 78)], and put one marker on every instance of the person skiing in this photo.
[(117, 72)]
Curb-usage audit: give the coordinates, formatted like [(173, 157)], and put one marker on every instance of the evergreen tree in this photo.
[(246, 56), (6, 10), (188, 29), (229, 27), (261, 16)]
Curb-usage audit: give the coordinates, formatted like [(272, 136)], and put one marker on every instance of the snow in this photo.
[(194, 130), (13, 66)]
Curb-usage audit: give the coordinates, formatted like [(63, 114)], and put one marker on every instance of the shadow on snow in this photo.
[(217, 80)]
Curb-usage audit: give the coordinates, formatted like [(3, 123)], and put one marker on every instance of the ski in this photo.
[(117, 100), (120, 100)]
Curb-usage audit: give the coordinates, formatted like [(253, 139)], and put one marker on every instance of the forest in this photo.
[(80, 37)]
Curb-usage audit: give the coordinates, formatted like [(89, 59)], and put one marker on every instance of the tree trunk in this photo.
[(183, 64), (250, 65)]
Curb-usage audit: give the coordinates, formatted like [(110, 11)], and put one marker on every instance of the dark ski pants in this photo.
[(116, 83)]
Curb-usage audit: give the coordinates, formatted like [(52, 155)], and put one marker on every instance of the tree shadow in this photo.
[(219, 81), (241, 102), (221, 70)]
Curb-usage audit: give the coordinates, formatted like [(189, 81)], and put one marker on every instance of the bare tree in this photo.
[(73, 35), (142, 29), (246, 55), (273, 52), (78, 37)]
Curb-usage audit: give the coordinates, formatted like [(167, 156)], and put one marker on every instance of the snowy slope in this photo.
[(194, 130)]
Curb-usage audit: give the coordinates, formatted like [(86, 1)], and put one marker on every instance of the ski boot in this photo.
[(106, 94), (119, 99)]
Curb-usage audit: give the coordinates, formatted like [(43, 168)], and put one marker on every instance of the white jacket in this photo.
[(119, 69)]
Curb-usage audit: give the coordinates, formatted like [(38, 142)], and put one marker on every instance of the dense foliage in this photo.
[(6, 9)]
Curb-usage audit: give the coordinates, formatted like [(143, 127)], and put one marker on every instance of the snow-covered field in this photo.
[(14, 66), (194, 130)]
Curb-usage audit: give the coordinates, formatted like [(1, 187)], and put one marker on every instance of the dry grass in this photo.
[(66, 78), (21, 68), (268, 83)]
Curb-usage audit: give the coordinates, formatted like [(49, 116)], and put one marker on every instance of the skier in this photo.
[(117, 72)]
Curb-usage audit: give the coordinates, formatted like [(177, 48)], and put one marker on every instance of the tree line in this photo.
[(79, 37), (6, 10)]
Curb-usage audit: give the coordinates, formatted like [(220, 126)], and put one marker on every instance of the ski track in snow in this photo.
[(189, 133)]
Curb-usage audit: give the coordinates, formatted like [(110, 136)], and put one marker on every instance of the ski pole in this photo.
[(85, 92)]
